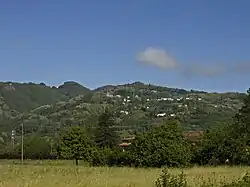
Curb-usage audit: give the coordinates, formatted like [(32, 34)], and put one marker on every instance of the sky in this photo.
[(191, 44)]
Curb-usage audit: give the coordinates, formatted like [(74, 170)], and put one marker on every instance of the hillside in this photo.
[(137, 106), (73, 89), (196, 109), (24, 97)]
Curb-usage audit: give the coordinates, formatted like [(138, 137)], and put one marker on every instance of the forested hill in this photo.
[(27, 96), (45, 109)]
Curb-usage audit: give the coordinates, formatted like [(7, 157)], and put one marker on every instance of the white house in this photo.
[(161, 114)]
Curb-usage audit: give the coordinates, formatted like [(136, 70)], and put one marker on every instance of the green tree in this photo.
[(240, 132), (105, 134), (214, 145), (75, 144), (35, 147), (162, 145), (229, 140), (242, 119)]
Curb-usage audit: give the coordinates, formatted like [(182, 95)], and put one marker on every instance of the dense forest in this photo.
[(73, 122)]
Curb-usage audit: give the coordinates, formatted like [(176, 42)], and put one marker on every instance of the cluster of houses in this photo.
[(159, 99), (164, 114), (127, 99)]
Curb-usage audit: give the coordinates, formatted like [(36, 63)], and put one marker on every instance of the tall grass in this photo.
[(61, 175)]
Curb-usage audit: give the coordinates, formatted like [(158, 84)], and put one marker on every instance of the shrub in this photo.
[(168, 180), (163, 145)]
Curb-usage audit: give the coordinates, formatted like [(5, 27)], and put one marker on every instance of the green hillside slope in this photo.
[(72, 89), (26, 96), (137, 106)]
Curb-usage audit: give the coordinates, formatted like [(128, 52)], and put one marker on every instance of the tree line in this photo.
[(163, 144)]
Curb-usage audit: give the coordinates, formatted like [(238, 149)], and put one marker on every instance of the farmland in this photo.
[(51, 174)]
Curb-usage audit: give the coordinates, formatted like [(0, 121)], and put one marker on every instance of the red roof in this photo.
[(124, 144)]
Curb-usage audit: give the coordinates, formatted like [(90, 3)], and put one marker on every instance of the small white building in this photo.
[(161, 114)]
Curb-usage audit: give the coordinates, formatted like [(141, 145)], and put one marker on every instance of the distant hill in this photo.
[(72, 89), (26, 96), (137, 106), (196, 109)]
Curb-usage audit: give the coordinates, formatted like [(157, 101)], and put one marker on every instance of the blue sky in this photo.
[(189, 44)]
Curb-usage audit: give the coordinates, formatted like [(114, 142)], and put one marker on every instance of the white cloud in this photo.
[(160, 58), (192, 70), (157, 57)]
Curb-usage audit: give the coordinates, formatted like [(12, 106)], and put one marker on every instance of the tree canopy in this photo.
[(105, 134), (75, 144), (162, 145)]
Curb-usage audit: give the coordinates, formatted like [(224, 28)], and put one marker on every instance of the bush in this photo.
[(109, 157), (168, 180), (163, 145)]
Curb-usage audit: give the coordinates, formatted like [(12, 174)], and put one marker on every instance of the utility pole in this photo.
[(22, 145)]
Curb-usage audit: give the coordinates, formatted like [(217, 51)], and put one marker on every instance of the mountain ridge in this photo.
[(120, 84), (136, 105)]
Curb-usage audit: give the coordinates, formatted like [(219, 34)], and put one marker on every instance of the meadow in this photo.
[(65, 174)]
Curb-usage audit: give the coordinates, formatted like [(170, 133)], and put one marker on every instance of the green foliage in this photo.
[(107, 157), (168, 180), (27, 96), (75, 144), (228, 141), (100, 156), (144, 104), (105, 134), (48, 109), (241, 124), (44, 111), (240, 132), (164, 145), (35, 147), (211, 146), (73, 89), (219, 144)]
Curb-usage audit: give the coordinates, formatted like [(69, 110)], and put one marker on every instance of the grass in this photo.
[(61, 174)]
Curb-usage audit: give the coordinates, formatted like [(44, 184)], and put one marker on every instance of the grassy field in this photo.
[(59, 175)]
